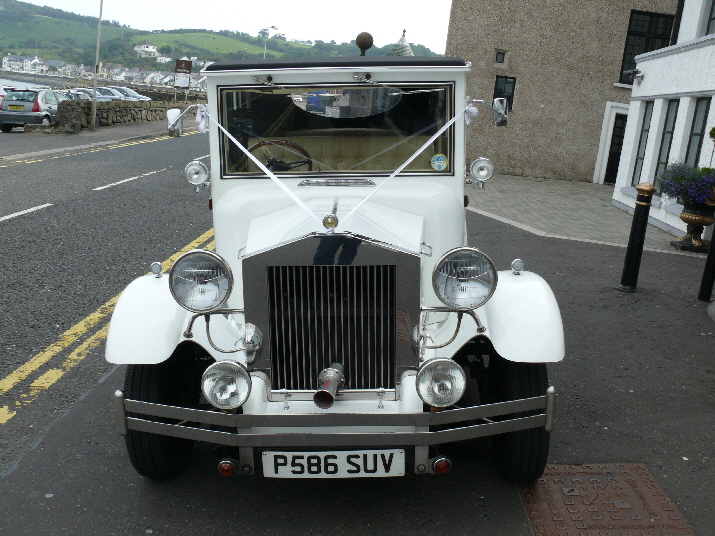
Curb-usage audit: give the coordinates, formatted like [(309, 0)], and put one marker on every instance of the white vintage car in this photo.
[(342, 327)]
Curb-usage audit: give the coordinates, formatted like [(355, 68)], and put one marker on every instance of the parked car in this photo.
[(29, 107), (4, 90), (129, 92), (342, 326), (89, 92), (78, 95)]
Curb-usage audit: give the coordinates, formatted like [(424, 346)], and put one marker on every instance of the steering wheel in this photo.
[(276, 164)]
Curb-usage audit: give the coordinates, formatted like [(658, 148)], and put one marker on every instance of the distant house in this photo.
[(163, 59), (24, 64), (59, 66), (145, 49)]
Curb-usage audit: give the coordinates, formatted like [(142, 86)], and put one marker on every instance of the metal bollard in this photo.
[(634, 252), (706, 284)]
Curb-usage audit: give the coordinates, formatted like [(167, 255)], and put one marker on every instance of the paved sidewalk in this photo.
[(563, 209)]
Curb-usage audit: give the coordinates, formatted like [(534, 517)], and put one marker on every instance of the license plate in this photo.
[(15, 107), (334, 464)]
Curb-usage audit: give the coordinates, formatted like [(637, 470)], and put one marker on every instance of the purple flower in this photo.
[(691, 184)]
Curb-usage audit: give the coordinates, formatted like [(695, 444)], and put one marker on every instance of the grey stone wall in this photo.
[(566, 57), (73, 116)]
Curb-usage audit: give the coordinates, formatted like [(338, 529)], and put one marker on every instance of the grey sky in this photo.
[(426, 23)]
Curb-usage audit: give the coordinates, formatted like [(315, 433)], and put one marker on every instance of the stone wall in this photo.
[(73, 116)]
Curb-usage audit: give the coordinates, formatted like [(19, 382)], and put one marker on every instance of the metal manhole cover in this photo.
[(609, 499)]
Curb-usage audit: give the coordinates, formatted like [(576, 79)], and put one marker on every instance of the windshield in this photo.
[(336, 129)]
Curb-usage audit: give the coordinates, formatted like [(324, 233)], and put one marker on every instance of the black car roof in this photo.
[(350, 61)]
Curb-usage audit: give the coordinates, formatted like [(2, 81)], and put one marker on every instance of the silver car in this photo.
[(29, 107), (129, 92)]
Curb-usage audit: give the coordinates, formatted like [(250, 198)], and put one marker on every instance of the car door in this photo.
[(50, 100)]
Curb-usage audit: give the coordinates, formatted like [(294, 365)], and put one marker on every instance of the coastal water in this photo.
[(20, 85)]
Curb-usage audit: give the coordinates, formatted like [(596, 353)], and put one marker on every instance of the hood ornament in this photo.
[(330, 222)]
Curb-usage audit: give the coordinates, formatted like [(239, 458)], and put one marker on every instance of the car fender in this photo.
[(146, 324), (524, 320)]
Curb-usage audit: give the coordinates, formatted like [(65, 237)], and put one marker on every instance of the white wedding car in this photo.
[(342, 326)]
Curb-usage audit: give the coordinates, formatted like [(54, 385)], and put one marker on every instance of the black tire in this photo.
[(520, 456), (156, 456), (6, 128)]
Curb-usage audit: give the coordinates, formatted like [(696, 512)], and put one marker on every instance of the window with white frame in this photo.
[(697, 131), (667, 138), (710, 26), (642, 142)]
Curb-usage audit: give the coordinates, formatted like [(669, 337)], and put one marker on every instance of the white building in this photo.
[(670, 113), (145, 49)]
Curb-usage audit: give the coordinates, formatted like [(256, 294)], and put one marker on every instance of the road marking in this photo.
[(71, 336), (539, 232), (92, 150), (127, 180), (33, 209)]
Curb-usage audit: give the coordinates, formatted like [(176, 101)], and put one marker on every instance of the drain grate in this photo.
[(610, 499)]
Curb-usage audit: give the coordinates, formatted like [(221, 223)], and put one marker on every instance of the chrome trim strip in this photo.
[(319, 420), (336, 182), (338, 439)]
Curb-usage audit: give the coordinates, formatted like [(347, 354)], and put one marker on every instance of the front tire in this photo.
[(156, 456), (520, 456)]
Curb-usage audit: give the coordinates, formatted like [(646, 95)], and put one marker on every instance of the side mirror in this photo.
[(501, 111)]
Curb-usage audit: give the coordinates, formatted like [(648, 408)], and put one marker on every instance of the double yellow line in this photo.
[(67, 339), (91, 150)]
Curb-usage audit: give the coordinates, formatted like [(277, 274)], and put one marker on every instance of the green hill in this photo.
[(29, 30)]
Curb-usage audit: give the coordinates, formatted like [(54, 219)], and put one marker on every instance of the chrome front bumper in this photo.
[(451, 424)]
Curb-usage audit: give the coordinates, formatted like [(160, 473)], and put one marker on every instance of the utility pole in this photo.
[(93, 114)]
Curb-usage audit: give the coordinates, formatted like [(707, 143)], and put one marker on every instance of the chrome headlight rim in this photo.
[(240, 370), (195, 170), (225, 266), (434, 362), (454, 251)]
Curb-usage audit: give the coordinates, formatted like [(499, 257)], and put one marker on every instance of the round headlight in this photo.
[(464, 279), (196, 172), (441, 382), (200, 281), (226, 384)]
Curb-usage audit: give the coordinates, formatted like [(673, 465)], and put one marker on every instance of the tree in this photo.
[(165, 49), (264, 33)]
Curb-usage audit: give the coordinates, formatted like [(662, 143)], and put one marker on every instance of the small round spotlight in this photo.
[(196, 173), (482, 169), (517, 266)]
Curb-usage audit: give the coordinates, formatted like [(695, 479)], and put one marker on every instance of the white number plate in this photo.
[(338, 464)]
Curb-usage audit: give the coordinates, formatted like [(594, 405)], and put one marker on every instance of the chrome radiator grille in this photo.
[(319, 315)]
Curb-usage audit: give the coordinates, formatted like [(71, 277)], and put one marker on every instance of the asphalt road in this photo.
[(637, 385)]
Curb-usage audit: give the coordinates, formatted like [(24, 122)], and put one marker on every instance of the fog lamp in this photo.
[(196, 173), (200, 281), (464, 279), (226, 384), (482, 169), (441, 382)]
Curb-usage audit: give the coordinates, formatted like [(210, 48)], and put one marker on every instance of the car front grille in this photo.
[(320, 315)]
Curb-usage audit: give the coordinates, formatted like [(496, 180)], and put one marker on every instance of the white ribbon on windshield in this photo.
[(407, 162), (204, 113)]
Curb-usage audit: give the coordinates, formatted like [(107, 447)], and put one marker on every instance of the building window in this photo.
[(504, 87), (501, 55), (646, 32), (710, 28), (666, 141), (642, 141), (697, 131)]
